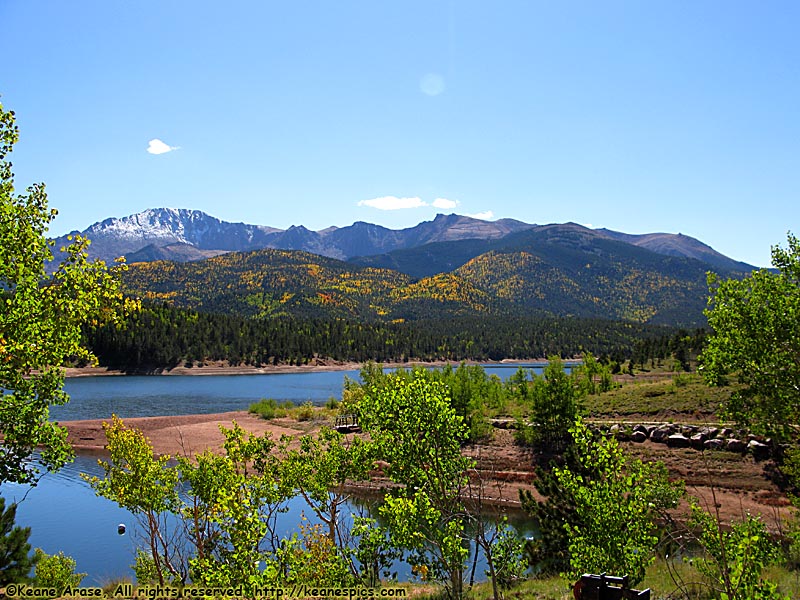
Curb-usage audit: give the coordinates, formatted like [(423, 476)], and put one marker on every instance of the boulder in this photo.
[(678, 440), (660, 434), (639, 436), (698, 440), (759, 450), (710, 432), (734, 445)]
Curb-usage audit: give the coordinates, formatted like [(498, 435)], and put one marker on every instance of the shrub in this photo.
[(735, 557), (681, 380), (305, 412), (145, 568), (55, 570), (264, 408)]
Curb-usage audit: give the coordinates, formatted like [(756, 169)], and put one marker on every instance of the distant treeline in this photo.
[(162, 337), (684, 346)]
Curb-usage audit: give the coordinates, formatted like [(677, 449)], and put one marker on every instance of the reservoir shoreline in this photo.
[(318, 365)]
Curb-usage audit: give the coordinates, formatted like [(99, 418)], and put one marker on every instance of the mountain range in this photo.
[(451, 266), (184, 235)]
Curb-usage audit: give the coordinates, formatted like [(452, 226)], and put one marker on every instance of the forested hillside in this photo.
[(268, 283), (556, 271), (561, 289), (162, 337)]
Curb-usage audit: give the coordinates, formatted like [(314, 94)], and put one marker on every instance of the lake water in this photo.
[(65, 514), (63, 511), (157, 395), (153, 395)]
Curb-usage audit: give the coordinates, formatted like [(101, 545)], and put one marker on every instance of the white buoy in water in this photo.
[(121, 529)]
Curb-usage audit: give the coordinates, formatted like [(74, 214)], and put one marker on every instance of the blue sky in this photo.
[(641, 116)]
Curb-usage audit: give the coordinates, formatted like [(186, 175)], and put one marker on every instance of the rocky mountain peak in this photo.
[(171, 233)]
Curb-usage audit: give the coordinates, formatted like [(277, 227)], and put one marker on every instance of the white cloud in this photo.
[(445, 203), (393, 203), (483, 216), (156, 146)]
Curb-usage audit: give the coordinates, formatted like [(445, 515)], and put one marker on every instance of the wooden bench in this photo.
[(347, 424)]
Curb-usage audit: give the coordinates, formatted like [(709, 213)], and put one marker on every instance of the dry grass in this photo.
[(680, 397)]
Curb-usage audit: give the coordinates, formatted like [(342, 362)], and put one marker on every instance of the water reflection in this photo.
[(65, 515)]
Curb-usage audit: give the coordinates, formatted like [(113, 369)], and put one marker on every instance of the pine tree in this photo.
[(548, 553), (16, 561)]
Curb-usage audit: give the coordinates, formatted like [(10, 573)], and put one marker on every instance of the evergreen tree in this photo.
[(548, 553), (16, 561), (600, 509)]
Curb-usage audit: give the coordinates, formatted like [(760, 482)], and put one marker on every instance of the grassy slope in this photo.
[(658, 578), (679, 398)]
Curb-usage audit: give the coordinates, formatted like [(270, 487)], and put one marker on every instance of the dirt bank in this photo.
[(185, 435), (223, 368), (741, 484)]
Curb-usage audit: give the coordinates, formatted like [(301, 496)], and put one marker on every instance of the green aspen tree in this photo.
[(42, 308), (756, 339), (418, 434), (615, 504)]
